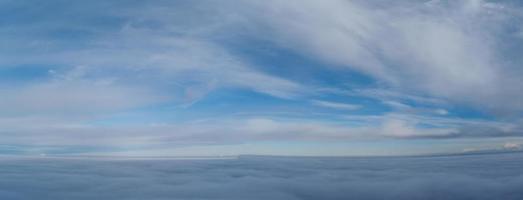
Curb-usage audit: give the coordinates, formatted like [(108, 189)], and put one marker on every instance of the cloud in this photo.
[(441, 112), (402, 129), (108, 59), (149, 45), (393, 95), (336, 105), (62, 132), (252, 177), (512, 146), (461, 57), (74, 98), (450, 50)]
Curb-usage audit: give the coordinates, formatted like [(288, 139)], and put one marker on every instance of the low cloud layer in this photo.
[(454, 178)]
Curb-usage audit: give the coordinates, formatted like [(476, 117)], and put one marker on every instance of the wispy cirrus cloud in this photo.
[(402, 70), (444, 49), (140, 45)]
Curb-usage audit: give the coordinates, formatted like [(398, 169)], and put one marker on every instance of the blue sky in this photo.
[(272, 77)]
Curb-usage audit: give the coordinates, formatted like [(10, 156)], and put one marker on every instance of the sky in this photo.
[(272, 77)]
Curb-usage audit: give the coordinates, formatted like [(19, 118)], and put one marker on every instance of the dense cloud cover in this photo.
[(494, 176)]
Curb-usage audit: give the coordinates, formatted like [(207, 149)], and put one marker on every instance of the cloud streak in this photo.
[(335, 105)]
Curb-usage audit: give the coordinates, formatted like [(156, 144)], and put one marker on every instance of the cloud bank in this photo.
[(454, 177)]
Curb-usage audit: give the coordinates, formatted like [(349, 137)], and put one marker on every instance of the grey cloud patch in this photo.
[(453, 178)]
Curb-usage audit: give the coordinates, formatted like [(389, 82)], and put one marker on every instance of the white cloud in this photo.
[(451, 50), (75, 97), (512, 146), (393, 95), (187, 61), (441, 112), (175, 54), (397, 105), (65, 131), (336, 105), (397, 128)]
